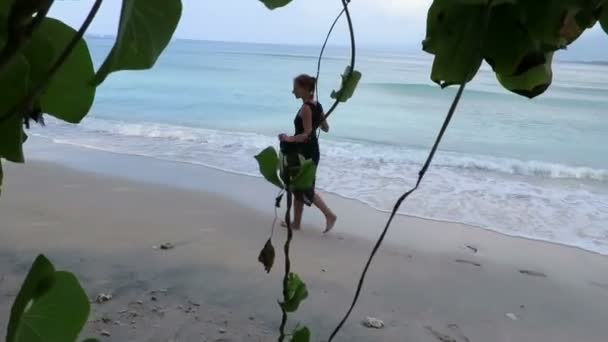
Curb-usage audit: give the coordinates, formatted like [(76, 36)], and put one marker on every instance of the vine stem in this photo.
[(287, 264), (67, 52), (353, 49), (421, 174), (9, 51), (331, 29)]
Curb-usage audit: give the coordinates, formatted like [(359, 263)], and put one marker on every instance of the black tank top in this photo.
[(310, 148)]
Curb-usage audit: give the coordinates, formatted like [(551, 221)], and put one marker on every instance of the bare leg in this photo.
[(298, 208), (330, 217)]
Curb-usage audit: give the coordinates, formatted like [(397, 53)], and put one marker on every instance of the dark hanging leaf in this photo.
[(145, 29), (604, 19), (268, 162), (301, 335), (454, 35), (33, 113), (531, 83), (350, 80), (277, 201), (13, 87), (267, 255), (296, 293), (273, 4)]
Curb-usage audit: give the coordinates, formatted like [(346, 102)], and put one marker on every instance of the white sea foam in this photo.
[(553, 202)]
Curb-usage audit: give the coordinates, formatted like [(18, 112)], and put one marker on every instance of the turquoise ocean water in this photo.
[(537, 169)]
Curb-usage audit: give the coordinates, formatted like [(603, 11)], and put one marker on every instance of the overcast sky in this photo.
[(398, 23)]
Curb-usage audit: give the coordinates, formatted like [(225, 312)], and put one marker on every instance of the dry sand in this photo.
[(432, 282)]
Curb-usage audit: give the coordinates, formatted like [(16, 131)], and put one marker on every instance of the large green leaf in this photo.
[(301, 335), (268, 162), (5, 7), (557, 23), (508, 42), (454, 35), (145, 29), (296, 293), (531, 83), (13, 87), (50, 307), (273, 4), (37, 281), (69, 95), (305, 177), (58, 315)]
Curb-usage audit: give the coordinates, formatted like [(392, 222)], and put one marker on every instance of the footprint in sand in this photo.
[(533, 273), (468, 262), (455, 330), (600, 285)]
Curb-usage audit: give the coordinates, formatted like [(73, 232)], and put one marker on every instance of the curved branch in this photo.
[(39, 89), (331, 29), (421, 174), (353, 50)]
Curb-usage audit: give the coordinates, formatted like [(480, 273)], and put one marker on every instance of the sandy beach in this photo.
[(103, 216)]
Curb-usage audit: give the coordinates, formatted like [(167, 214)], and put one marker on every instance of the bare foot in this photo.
[(293, 226), (331, 222)]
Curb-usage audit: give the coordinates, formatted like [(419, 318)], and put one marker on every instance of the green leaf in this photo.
[(305, 177), (350, 80), (13, 87), (57, 315), (5, 7), (268, 162), (454, 35), (69, 96), (40, 273), (296, 293), (301, 335), (531, 83), (50, 307), (145, 29), (508, 43), (604, 19), (274, 4)]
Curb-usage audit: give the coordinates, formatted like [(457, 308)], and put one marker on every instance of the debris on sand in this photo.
[(533, 273), (511, 316), (105, 333), (372, 322), (102, 298), (166, 246), (468, 262), (472, 248)]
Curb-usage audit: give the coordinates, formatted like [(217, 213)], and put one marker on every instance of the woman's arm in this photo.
[(306, 115), (324, 124)]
